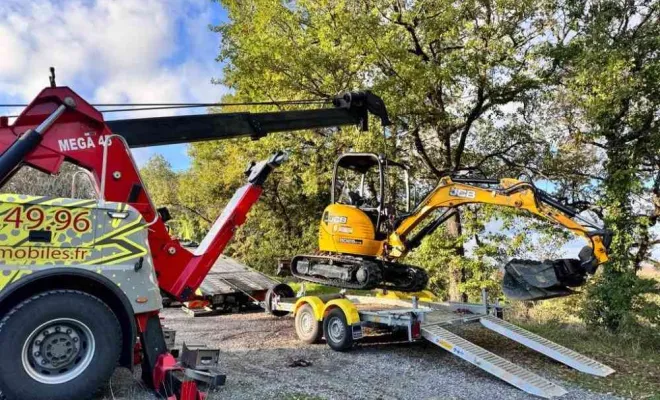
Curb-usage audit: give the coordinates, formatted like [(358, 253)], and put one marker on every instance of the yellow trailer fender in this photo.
[(316, 303), (349, 309), (424, 296)]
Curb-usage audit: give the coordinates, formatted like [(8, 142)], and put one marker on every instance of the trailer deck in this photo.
[(230, 286), (433, 321)]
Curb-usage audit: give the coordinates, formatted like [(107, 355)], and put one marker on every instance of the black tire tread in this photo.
[(319, 328), (280, 288), (348, 341), (32, 299)]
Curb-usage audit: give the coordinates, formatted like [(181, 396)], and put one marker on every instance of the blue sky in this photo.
[(113, 51)]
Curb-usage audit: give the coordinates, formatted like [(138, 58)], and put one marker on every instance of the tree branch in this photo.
[(419, 51), (472, 116), (419, 146)]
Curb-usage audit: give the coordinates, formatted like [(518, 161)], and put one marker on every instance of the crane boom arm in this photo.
[(59, 126), (144, 132)]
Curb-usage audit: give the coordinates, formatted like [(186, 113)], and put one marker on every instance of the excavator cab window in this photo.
[(358, 181), (397, 188), (374, 184)]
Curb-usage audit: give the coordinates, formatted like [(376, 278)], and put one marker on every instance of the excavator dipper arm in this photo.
[(526, 279)]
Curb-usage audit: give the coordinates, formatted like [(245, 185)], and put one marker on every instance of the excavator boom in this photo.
[(523, 279), (454, 192)]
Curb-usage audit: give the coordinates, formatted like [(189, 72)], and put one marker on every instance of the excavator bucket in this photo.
[(529, 280), (535, 280)]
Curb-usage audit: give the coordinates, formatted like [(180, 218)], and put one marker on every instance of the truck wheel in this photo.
[(283, 290), (337, 332), (308, 329), (58, 345)]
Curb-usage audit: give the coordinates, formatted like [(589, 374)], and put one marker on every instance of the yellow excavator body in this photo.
[(370, 225), (346, 229)]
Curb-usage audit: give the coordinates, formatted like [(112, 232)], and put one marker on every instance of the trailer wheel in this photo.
[(308, 329), (58, 345), (337, 332), (282, 290)]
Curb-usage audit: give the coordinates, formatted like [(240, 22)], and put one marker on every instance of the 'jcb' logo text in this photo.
[(470, 194)]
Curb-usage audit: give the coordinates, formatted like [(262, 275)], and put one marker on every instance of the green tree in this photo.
[(608, 98), (445, 69), (167, 189)]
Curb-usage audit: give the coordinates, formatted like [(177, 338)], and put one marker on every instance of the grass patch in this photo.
[(313, 288), (635, 357)]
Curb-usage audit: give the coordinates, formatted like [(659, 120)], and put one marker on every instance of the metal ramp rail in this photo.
[(491, 363), (433, 330), (544, 346)]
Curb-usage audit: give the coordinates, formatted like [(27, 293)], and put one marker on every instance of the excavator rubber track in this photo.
[(358, 273)]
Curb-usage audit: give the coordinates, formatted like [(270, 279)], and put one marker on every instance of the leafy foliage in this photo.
[(565, 93), (444, 69), (610, 97)]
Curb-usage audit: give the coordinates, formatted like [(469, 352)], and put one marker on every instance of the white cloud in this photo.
[(111, 51), (120, 49)]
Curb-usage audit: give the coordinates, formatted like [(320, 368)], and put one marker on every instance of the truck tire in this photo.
[(282, 290), (308, 328), (58, 345), (338, 334)]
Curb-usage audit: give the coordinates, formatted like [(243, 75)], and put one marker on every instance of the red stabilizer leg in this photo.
[(160, 369), (189, 391), (170, 381)]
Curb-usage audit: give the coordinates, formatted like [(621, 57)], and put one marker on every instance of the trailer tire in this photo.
[(282, 290), (58, 345), (308, 328), (338, 334)]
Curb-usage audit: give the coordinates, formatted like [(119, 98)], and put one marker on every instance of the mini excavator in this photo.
[(369, 225), (81, 279)]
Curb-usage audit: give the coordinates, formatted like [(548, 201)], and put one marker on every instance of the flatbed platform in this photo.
[(230, 286)]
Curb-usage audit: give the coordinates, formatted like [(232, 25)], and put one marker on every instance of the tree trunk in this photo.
[(456, 272), (610, 300)]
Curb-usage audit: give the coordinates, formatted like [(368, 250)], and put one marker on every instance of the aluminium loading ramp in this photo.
[(439, 316), (491, 363), (433, 330), (542, 345)]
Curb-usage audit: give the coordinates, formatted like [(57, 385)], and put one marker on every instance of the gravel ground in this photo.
[(256, 350)]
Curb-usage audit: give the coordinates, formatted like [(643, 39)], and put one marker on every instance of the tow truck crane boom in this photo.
[(349, 109), (116, 242)]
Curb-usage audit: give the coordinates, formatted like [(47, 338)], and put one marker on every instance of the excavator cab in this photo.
[(369, 193)]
